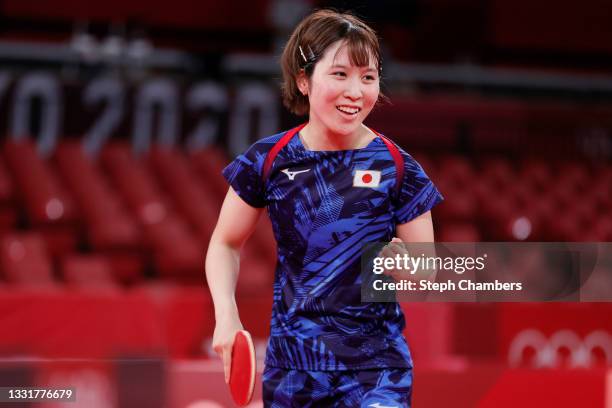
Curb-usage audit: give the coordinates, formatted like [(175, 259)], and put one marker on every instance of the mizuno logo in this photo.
[(292, 174), (377, 405)]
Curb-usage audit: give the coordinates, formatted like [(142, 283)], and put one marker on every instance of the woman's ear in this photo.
[(302, 82)]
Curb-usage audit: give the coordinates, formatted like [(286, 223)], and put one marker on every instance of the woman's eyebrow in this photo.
[(368, 69)]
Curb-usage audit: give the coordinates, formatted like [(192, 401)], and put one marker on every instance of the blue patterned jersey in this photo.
[(324, 205)]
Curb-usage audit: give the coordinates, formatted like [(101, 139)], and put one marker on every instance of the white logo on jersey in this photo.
[(292, 174), (377, 405), (366, 178)]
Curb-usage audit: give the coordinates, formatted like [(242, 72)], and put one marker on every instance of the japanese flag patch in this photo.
[(366, 178)]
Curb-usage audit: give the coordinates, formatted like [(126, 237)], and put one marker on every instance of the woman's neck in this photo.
[(316, 137)]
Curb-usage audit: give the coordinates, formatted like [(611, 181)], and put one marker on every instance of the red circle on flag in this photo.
[(366, 178)]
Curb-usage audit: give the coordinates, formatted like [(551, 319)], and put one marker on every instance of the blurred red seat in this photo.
[(603, 229), (8, 214), (601, 193), (98, 201), (48, 206), (588, 233), (459, 205), (457, 169), (45, 198), (176, 248), (574, 174), (110, 229), (482, 190), (564, 227), (178, 177), (459, 232), (536, 173), (88, 272), (7, 192), (521, 193), (209, 163), (178, 255), (498, 171), (427, 164), (25, 260)]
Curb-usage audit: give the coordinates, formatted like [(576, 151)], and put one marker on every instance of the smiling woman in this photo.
[(329, 186)]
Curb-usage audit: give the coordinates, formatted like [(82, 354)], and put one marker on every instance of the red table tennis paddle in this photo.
[(242, 372)]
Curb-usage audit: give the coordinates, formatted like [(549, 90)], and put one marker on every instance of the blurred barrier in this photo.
[(169, 321), (199, 384), (65, 323), (129, 348), (487, 386)]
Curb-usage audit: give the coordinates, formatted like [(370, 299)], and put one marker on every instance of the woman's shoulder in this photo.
[(405, 155), (259, 149), (272, 138), (265, 143)]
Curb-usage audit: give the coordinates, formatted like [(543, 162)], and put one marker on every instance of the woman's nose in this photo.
[(353, 89)]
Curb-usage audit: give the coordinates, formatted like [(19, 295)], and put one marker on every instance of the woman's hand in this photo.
[(223, 340), (391, 251)]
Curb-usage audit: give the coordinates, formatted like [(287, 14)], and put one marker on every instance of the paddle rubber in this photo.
[(242, 372)]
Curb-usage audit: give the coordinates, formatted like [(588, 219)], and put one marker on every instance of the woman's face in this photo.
[(341, 95)]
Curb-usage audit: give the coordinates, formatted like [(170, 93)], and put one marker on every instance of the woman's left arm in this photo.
[(419, 229)]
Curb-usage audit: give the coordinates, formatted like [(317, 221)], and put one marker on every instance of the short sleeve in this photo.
[(418, 193), (244, 174)]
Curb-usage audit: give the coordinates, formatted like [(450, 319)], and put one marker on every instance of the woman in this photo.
[(329, 187)]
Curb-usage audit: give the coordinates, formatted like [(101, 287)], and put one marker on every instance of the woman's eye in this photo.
[(340, 74), (369, 77)]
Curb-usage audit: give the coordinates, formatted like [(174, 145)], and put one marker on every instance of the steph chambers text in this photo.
[(462, 285)]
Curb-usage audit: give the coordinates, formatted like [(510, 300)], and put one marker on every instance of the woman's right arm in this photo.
[(237, 220)]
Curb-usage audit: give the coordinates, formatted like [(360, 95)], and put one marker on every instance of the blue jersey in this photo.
[(324, 205)]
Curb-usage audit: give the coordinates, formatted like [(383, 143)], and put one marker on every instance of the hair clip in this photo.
[(302, 52), (311, 56)]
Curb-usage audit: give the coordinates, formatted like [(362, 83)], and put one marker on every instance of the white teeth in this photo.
[(346, 109)]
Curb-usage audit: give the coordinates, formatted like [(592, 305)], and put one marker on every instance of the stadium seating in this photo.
[(140, 226), (108, 226), (177, 251), (153, 215), (46, 204)]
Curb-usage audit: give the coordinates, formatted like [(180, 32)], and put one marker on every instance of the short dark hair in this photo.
[(308, 43)]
